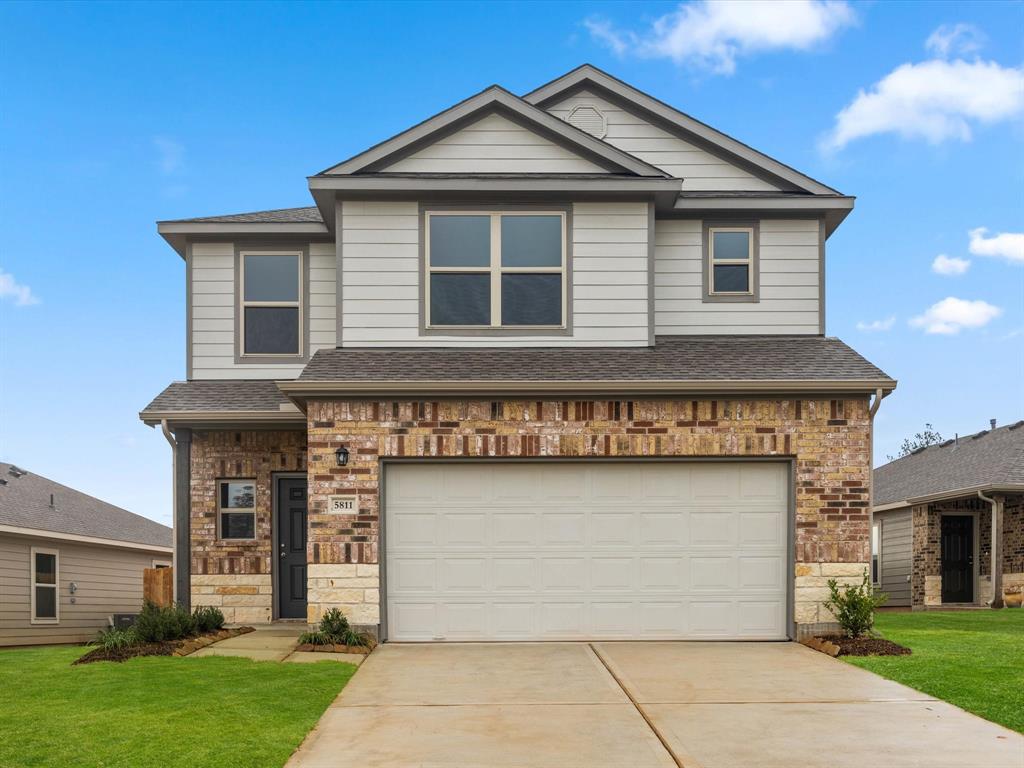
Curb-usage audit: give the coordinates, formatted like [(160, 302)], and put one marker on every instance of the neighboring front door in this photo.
[(957, 559), (291, 548)]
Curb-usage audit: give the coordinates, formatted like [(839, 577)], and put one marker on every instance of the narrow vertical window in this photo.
[(731, 257), (271, 298), (876, 552), (45, 586)]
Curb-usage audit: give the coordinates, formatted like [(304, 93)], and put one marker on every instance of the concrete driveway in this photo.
[(713, 705)]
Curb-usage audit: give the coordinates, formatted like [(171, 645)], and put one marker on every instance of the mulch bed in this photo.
[(165, 648), (309, 647), (841, 645)]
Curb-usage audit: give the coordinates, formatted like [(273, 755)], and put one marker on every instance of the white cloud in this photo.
[(961, 39), (712, 34), (951, 315), (10, 288), (949, 265), (876, 325), (1005, 245), (170, 155), (934, 100)]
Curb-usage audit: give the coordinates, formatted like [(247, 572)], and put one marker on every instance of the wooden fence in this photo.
[(158, 585)]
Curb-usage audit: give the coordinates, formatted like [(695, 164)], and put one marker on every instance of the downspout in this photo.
[(879, 395), (169, 436), (997, 548)]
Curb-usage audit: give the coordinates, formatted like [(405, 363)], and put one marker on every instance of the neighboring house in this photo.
[(934, 514), (539, 367), (68, 561)]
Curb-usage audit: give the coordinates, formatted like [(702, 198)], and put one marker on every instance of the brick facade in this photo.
[(829, 441), (236, 575), (926, 572)]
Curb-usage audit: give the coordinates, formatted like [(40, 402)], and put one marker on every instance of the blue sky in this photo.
[(115, 116)]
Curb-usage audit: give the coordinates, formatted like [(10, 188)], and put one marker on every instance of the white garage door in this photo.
[(570, 551)]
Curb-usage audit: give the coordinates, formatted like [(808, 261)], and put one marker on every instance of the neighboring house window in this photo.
[(236, 509), (495, 269), (45, 586), (730, 269), (271, 298), (876, 552)]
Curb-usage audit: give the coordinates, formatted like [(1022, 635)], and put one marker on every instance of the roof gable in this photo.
[(489, 102), (596, 82)]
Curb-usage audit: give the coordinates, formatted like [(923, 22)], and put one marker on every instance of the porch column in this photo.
[(182, 515), (998, 502)]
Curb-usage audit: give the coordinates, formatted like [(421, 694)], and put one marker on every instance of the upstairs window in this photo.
[(491, 270), (45, 586), (271, 298), (236, 508), (732, 260)]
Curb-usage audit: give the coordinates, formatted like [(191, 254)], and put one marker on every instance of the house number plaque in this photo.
[(345, 505)]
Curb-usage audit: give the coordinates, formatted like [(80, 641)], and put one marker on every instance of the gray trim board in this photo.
[(755, 267), (487, 100), (188, 311), (241, 359), (182, 515), (425, 208), (590, 75), (179, 234), (821, 275), (339, 261), (833, 208), (651, 302)]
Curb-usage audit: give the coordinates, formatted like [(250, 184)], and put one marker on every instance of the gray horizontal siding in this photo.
[(897, 556), (699, 169), (108, 579), (381, 273), (789, 276)]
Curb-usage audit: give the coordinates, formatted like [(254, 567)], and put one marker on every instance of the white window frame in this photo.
[(221, 510), (161, 564), (747, 262), (495, 270), (243, 304), (877, 524), (56, 585)]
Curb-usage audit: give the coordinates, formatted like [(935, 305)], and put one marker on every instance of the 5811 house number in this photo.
[(343, 504)]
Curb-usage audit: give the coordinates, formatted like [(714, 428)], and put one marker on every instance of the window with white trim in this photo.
[(236, 509), (45, 586), (271, 303), (876, 552), (495, 269), (731, 257)]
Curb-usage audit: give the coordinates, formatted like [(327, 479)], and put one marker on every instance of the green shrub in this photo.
[(208, 618), (156, 625), (335, 630), (116, 639), (854, 606)]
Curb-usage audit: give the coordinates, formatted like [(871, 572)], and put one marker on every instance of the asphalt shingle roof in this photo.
[(987, 459), (307, 215), (672, 358), (25, 503), (219, 395)]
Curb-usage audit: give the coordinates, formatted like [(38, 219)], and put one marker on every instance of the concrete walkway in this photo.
[(273, 642), (699, 705)]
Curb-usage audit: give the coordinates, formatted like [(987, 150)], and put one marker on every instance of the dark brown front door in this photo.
[(957, 559), (291, 548)]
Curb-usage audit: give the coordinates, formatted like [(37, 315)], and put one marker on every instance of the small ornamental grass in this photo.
[(208, 618), (854, 606), (335, 630), (116, 639)]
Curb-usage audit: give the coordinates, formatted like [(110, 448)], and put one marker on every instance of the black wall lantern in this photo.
[(342, 456)]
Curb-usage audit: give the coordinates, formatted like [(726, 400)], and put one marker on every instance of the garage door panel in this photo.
[(575, 551)]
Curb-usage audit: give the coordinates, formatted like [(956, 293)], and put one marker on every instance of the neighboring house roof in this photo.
[(588, 75), (991, 459), (25, 504), (674, 364), (215, 400)]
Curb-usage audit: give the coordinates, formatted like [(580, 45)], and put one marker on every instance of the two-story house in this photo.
[(550, 366)]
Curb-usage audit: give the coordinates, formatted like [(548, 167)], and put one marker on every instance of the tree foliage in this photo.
[(924, 438)]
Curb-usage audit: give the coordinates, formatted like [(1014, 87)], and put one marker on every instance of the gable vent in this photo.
[(589, 119)]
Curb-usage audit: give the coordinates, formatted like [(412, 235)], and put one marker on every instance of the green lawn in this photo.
[(970, 658), (158, 711)]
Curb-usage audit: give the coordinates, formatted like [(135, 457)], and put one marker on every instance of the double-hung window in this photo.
[(491, 270), (45, 586), (236, 509), (731, 261), (271, 303)]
